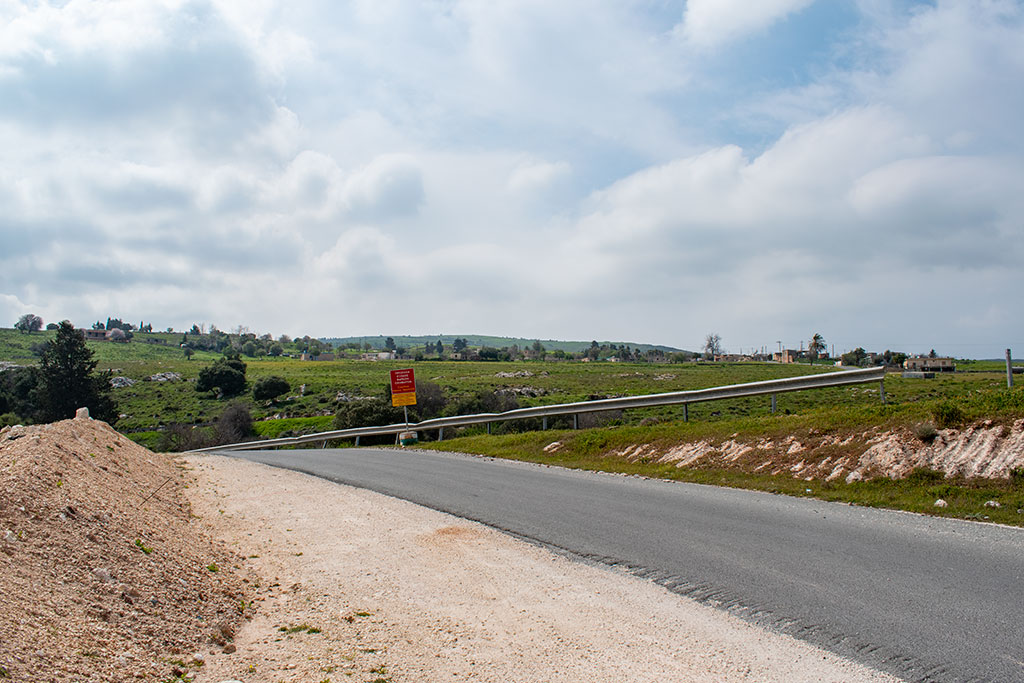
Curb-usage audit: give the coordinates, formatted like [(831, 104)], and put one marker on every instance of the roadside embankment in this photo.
[(105, 574)]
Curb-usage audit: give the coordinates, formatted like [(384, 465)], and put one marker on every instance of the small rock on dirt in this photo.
[(941, 503)]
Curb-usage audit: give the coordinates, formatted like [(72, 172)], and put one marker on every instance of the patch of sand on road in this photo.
[(359, 586)]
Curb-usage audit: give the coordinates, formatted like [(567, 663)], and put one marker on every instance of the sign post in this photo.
[(403, 393)]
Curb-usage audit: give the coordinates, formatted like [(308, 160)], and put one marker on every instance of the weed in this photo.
[(143, 547), (213, 567), (299, 629), (926, 432)]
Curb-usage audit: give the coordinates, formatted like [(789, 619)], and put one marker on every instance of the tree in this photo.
[(932, 354), (815, 346), (389, 344), (712, 346), (856, 357), (29, 322), (187, 350), (459, 345), (269, 388), (225, 374), (67, 382), (52, 326)]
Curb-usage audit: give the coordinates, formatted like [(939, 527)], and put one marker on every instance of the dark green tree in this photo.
[(29, 323), (67, 382), (389, 344), (269, 388), (226, 374)]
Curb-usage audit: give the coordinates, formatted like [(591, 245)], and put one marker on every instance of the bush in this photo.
[(178, 438), (227, 375), (369, 413), (234, 424), (926, 432), (948, 414), (269, 388)]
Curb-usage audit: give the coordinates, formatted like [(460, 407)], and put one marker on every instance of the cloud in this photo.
[(710, 23), (569, 169), (390, 186)]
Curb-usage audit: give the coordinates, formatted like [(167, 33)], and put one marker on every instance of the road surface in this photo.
[(923, 598)]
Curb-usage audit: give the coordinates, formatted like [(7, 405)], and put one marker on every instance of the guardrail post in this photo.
[(575, 420), (881, 391), (440, 433), (686, 412), (357, 442), (323, 444), (488, 427), (773, 404), (544, 424)]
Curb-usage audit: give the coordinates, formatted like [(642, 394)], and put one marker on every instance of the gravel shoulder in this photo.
[(354, 585)]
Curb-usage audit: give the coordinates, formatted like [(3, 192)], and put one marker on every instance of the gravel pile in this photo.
[(105, 575)]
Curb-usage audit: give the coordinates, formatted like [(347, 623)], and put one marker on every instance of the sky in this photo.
[(649, 171)]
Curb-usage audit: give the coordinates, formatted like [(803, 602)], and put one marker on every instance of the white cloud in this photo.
[(532, 168), (709, 23)]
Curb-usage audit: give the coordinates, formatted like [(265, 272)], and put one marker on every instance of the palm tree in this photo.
[(816, 346)]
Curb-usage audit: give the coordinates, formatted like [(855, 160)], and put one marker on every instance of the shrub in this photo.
[(926, 432), (234, 424), (948, 414), (925, 476), (269, 388), (225, 374), (178, 438)]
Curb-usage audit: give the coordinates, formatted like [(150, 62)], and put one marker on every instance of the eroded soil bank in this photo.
[(986, 450)]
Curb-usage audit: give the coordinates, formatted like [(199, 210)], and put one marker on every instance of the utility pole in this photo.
[(1009, 369)]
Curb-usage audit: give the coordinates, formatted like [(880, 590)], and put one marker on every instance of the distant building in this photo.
[(926, 364), (322, 356), (380, 355), (94, 335), (786, 356)]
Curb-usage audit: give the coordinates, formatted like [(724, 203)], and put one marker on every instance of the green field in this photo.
[(150, 405)]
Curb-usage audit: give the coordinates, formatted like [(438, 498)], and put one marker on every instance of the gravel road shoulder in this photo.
[(354, 585)]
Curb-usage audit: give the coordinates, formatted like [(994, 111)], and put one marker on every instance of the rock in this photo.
[(15, 432), (121, 382), (198, 658), (102, 574), (230, 649), (941, 503), (82, 414), (993, 504), (552, 447), (10, 537), (164, 377)]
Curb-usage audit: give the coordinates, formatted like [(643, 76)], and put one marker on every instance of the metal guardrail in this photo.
[(684, 398)]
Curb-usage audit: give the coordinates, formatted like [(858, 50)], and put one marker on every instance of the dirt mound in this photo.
[(985, 450), (105, 575)]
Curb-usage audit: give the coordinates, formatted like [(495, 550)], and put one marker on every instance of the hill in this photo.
[(478, 340)]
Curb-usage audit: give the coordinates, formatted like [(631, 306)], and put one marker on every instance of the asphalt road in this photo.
[(919, 597)]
